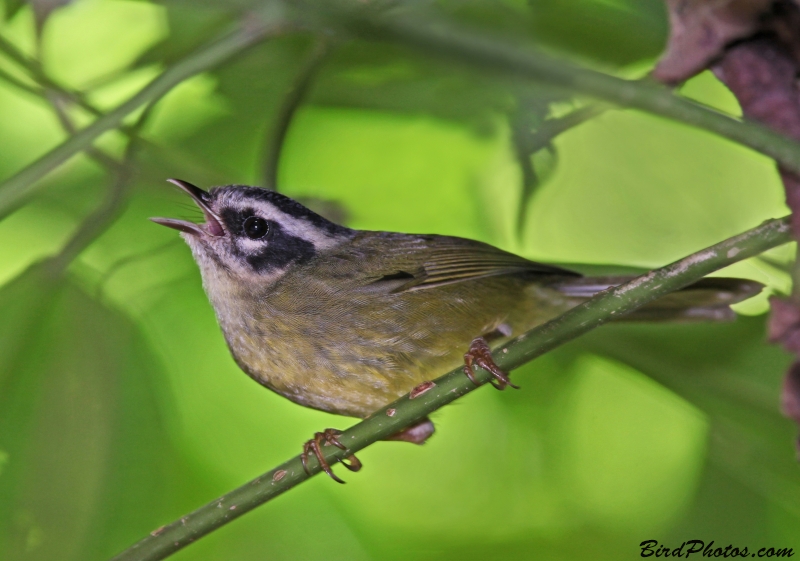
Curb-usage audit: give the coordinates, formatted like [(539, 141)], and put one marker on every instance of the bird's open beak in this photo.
[(212, 226)]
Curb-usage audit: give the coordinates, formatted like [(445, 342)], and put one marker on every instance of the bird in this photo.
[(346, 321)]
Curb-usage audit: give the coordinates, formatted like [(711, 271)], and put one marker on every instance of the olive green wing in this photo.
[(408, 262)]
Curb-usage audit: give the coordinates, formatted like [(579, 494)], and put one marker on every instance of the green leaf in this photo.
[(80, 425), (12, 7), (733, 376)]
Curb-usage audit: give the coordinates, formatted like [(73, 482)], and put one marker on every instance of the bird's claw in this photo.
[(479, 354), (328, 436)]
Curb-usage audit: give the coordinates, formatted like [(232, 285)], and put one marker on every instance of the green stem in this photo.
[(294, 97), (487, 52), (528, 138), (16, 55), (16, 188), (551, 128), (105, 215), (50, 90), (495, 54), (37, 73), (19, 84), (528, 115), (606, 306)]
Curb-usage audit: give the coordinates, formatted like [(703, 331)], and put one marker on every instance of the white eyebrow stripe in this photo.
[(293, 226)]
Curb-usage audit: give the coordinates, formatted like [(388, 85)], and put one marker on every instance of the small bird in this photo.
[(347, 321)]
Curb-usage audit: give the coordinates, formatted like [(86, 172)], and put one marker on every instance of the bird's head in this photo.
[(252, 234)]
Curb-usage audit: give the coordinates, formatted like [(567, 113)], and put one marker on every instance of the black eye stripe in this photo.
[(281, 250)]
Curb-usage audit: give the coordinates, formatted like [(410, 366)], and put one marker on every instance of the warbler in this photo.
[(347, 321)]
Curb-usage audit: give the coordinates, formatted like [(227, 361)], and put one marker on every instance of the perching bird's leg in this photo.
[(328, 436), (479, 354), (416, 433)]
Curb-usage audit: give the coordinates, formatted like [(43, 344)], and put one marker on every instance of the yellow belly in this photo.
[(352, 355)]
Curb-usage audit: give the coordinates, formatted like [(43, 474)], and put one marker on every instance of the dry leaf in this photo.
[(700, 30)]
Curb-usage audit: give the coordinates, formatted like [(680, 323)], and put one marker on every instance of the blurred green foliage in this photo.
[(121, 409)]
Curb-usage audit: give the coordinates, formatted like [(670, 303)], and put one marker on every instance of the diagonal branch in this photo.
[(19, 84), (37, 73), (62, 114), (63, 98), (604, 307), (445, 40), (15, 189), (105, 215)]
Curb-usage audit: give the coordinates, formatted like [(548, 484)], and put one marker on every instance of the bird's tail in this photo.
[(707, 299)]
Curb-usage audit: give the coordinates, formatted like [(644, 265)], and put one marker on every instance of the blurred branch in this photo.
[(16, 55), (294, 97), (37, 73), (439, 40), (551, 128), (528, 116), (19, 84), (134, 133), (495, 54), (16, 188), (54, 93), (604, 307), (108, 211), (69, 127)]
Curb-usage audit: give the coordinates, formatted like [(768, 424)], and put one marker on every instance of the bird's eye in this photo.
[(255, 227)]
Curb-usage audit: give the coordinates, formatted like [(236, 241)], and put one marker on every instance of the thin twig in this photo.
[(443, 41), (15, 189), (50, 90), (16, 55), (49, 86), (37, 73), (294, 97), (606, 306), (105, 215), (19, 84), (551, 128), (105, 160)]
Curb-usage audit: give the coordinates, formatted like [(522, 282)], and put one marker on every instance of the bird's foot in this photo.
[(324, 438), (479, 354), (415, 434)]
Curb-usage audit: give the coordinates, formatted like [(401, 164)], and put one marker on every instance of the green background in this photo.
[(121, 408)]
